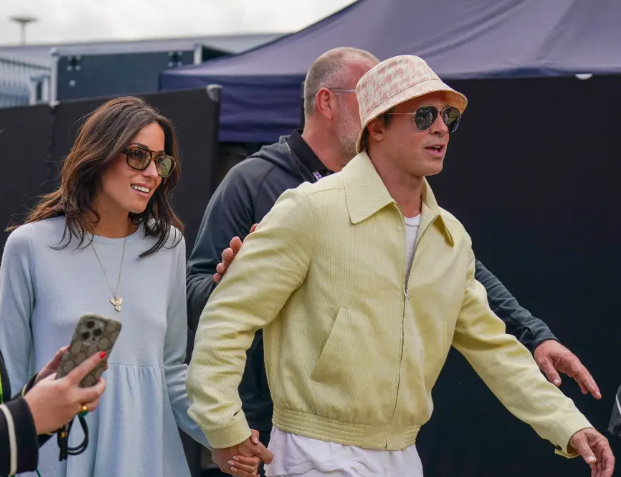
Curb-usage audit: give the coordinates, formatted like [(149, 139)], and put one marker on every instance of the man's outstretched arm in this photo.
[(509, 371)]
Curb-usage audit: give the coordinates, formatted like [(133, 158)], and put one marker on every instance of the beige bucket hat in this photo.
[(395, 81)]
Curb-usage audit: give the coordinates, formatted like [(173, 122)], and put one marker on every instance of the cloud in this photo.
[(93, 20)]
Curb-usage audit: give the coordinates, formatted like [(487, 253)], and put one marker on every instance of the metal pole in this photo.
[(23, 23)]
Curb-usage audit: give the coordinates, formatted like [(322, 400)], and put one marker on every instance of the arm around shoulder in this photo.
[(229, 214)]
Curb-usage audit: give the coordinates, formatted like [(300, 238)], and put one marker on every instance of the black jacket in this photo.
[(244, 197), (27, 441)]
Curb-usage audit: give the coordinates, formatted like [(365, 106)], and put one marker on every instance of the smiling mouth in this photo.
[(143, 190)]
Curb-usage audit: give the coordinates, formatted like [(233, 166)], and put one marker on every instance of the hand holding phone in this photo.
[(93, 334)]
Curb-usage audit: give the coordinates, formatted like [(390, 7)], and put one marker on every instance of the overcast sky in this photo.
[(88, 20)]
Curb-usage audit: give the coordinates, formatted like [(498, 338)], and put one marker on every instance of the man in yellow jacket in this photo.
[(362, 283)]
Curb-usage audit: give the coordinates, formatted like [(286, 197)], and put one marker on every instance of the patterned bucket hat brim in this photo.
[(395, 81)]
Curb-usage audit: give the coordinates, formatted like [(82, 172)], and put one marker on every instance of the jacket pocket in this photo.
[(331, 358), (355, 377)]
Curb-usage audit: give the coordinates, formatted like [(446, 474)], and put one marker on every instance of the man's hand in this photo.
[(242, 459), (595, 450), (229, 255), (551, 356)]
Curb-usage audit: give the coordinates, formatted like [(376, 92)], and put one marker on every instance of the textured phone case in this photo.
[(93, 334)]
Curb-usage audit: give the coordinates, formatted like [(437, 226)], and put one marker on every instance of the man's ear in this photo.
[(324, 102), (376, 129)]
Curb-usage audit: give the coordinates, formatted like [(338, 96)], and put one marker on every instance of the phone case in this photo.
[(93, 334)]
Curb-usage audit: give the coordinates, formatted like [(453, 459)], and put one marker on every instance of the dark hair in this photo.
[(385, 118), (105, 134)]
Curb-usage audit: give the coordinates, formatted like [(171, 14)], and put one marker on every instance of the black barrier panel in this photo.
[(533, 175), (194, 113), (24, 141)]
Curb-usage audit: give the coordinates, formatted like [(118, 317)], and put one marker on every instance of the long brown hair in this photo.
[(105, 134)]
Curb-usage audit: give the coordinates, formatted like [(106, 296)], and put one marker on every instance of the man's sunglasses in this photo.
[(426, 116), (139, 158)]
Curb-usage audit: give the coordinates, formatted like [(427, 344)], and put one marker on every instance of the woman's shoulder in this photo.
[(27, 234)]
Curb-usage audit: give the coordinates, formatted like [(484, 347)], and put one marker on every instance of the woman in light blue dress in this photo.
[(107, 241)]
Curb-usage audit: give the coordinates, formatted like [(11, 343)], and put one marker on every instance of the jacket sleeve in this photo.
[(271, 265), (229, 214), (175, 343), (27, 445), (510, 372), (529, 331), (16, 304)]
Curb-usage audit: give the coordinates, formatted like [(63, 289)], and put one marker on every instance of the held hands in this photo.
[(595, 450), (243, 459), (552, 357), (229, 255), (54, 402)]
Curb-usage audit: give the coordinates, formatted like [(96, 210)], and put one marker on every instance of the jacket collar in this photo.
[(367, 195)]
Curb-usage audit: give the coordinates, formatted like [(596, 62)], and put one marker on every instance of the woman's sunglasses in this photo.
[(426, 116), (139, 158)]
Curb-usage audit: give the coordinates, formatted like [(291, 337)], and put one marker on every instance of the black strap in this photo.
[(63, 440)]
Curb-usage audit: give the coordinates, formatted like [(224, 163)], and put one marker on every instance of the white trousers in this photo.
[(299, 456)]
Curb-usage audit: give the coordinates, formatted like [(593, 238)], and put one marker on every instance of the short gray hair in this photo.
[(330, 70)]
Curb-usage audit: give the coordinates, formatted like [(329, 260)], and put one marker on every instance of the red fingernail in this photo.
[(102, 355)]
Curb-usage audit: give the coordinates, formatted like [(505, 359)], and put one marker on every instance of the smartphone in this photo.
[(93, 334)]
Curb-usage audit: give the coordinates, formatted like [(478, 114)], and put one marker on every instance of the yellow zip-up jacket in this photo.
[(352, 349)]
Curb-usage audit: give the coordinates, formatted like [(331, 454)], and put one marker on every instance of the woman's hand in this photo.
[(54, 402), (52, 366)]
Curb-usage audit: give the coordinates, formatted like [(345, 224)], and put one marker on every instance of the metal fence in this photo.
[(21, 82)]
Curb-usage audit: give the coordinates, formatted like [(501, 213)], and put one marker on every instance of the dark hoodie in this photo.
[(244, 197)]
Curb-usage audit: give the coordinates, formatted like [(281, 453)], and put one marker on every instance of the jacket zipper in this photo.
[(407, 298)]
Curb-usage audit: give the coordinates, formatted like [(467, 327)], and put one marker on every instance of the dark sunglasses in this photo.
[(426, 116), (139, 158)]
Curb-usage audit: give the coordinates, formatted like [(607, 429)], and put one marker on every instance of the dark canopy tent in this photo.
[(460, 39)]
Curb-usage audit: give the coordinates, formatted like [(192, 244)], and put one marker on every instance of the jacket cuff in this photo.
[(540, 339), (26, 435), (565, 430), (231, 434)]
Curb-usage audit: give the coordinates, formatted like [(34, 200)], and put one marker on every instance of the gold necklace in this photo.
[(116, 300)]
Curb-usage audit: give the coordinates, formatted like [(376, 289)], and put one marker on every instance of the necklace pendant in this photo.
[(117, 302)]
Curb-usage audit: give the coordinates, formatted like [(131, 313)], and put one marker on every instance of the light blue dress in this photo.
[(43, 293)]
